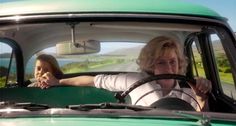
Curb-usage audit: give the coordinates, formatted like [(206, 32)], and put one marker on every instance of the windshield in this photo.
[(121, 66)]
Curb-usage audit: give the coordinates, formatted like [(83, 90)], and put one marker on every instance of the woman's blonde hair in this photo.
[(53, 64), (155, 48)]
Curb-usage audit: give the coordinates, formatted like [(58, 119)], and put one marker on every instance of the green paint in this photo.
[(177, 7), (80, 121), (58, 96)]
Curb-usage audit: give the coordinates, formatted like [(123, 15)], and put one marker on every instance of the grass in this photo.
[(2, 81), (224, 77), (222, 62), (83, 67)]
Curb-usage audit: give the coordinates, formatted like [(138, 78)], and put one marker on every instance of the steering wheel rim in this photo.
[(121, 96), (158, 89)]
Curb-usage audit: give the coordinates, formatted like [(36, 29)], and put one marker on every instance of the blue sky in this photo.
[(225, 8)]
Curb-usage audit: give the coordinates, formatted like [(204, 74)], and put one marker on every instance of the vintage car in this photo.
[(91, 37)]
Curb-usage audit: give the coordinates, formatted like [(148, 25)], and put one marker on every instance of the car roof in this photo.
[(174, 7)]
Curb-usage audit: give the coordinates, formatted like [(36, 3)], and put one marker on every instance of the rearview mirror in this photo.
[(85, 47)]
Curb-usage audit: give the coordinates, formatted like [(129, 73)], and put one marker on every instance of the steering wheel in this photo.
[(164, 103)]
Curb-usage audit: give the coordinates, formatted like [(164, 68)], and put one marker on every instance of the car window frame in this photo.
[(16, 50)]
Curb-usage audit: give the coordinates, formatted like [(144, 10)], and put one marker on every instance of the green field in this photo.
[(86, 66), (224, 77)]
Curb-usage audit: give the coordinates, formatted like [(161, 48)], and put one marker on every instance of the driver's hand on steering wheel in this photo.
[(202, 87)]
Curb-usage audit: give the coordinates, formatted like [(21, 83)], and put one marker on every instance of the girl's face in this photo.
[(41, 67), (167, 64)]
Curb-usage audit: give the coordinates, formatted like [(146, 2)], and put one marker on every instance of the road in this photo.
[(228, 88)]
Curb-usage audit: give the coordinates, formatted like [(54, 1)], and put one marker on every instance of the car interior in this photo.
[(79, 39)]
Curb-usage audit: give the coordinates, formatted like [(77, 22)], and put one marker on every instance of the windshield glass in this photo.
[(126, 64)]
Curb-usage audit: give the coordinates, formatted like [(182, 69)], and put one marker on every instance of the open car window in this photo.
[(8, 71), (224, 66)]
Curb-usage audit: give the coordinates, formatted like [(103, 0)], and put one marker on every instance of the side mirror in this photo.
[(85, 47)]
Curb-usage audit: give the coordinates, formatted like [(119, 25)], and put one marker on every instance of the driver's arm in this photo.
[(201, 89), (203, 104), (78, 81)]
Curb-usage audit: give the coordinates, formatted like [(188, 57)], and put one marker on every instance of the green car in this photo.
[(97, 37)]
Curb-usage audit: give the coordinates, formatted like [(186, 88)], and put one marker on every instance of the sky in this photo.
[(226, 8)]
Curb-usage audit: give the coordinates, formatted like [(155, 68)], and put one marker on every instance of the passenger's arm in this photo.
[(48, 80)]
